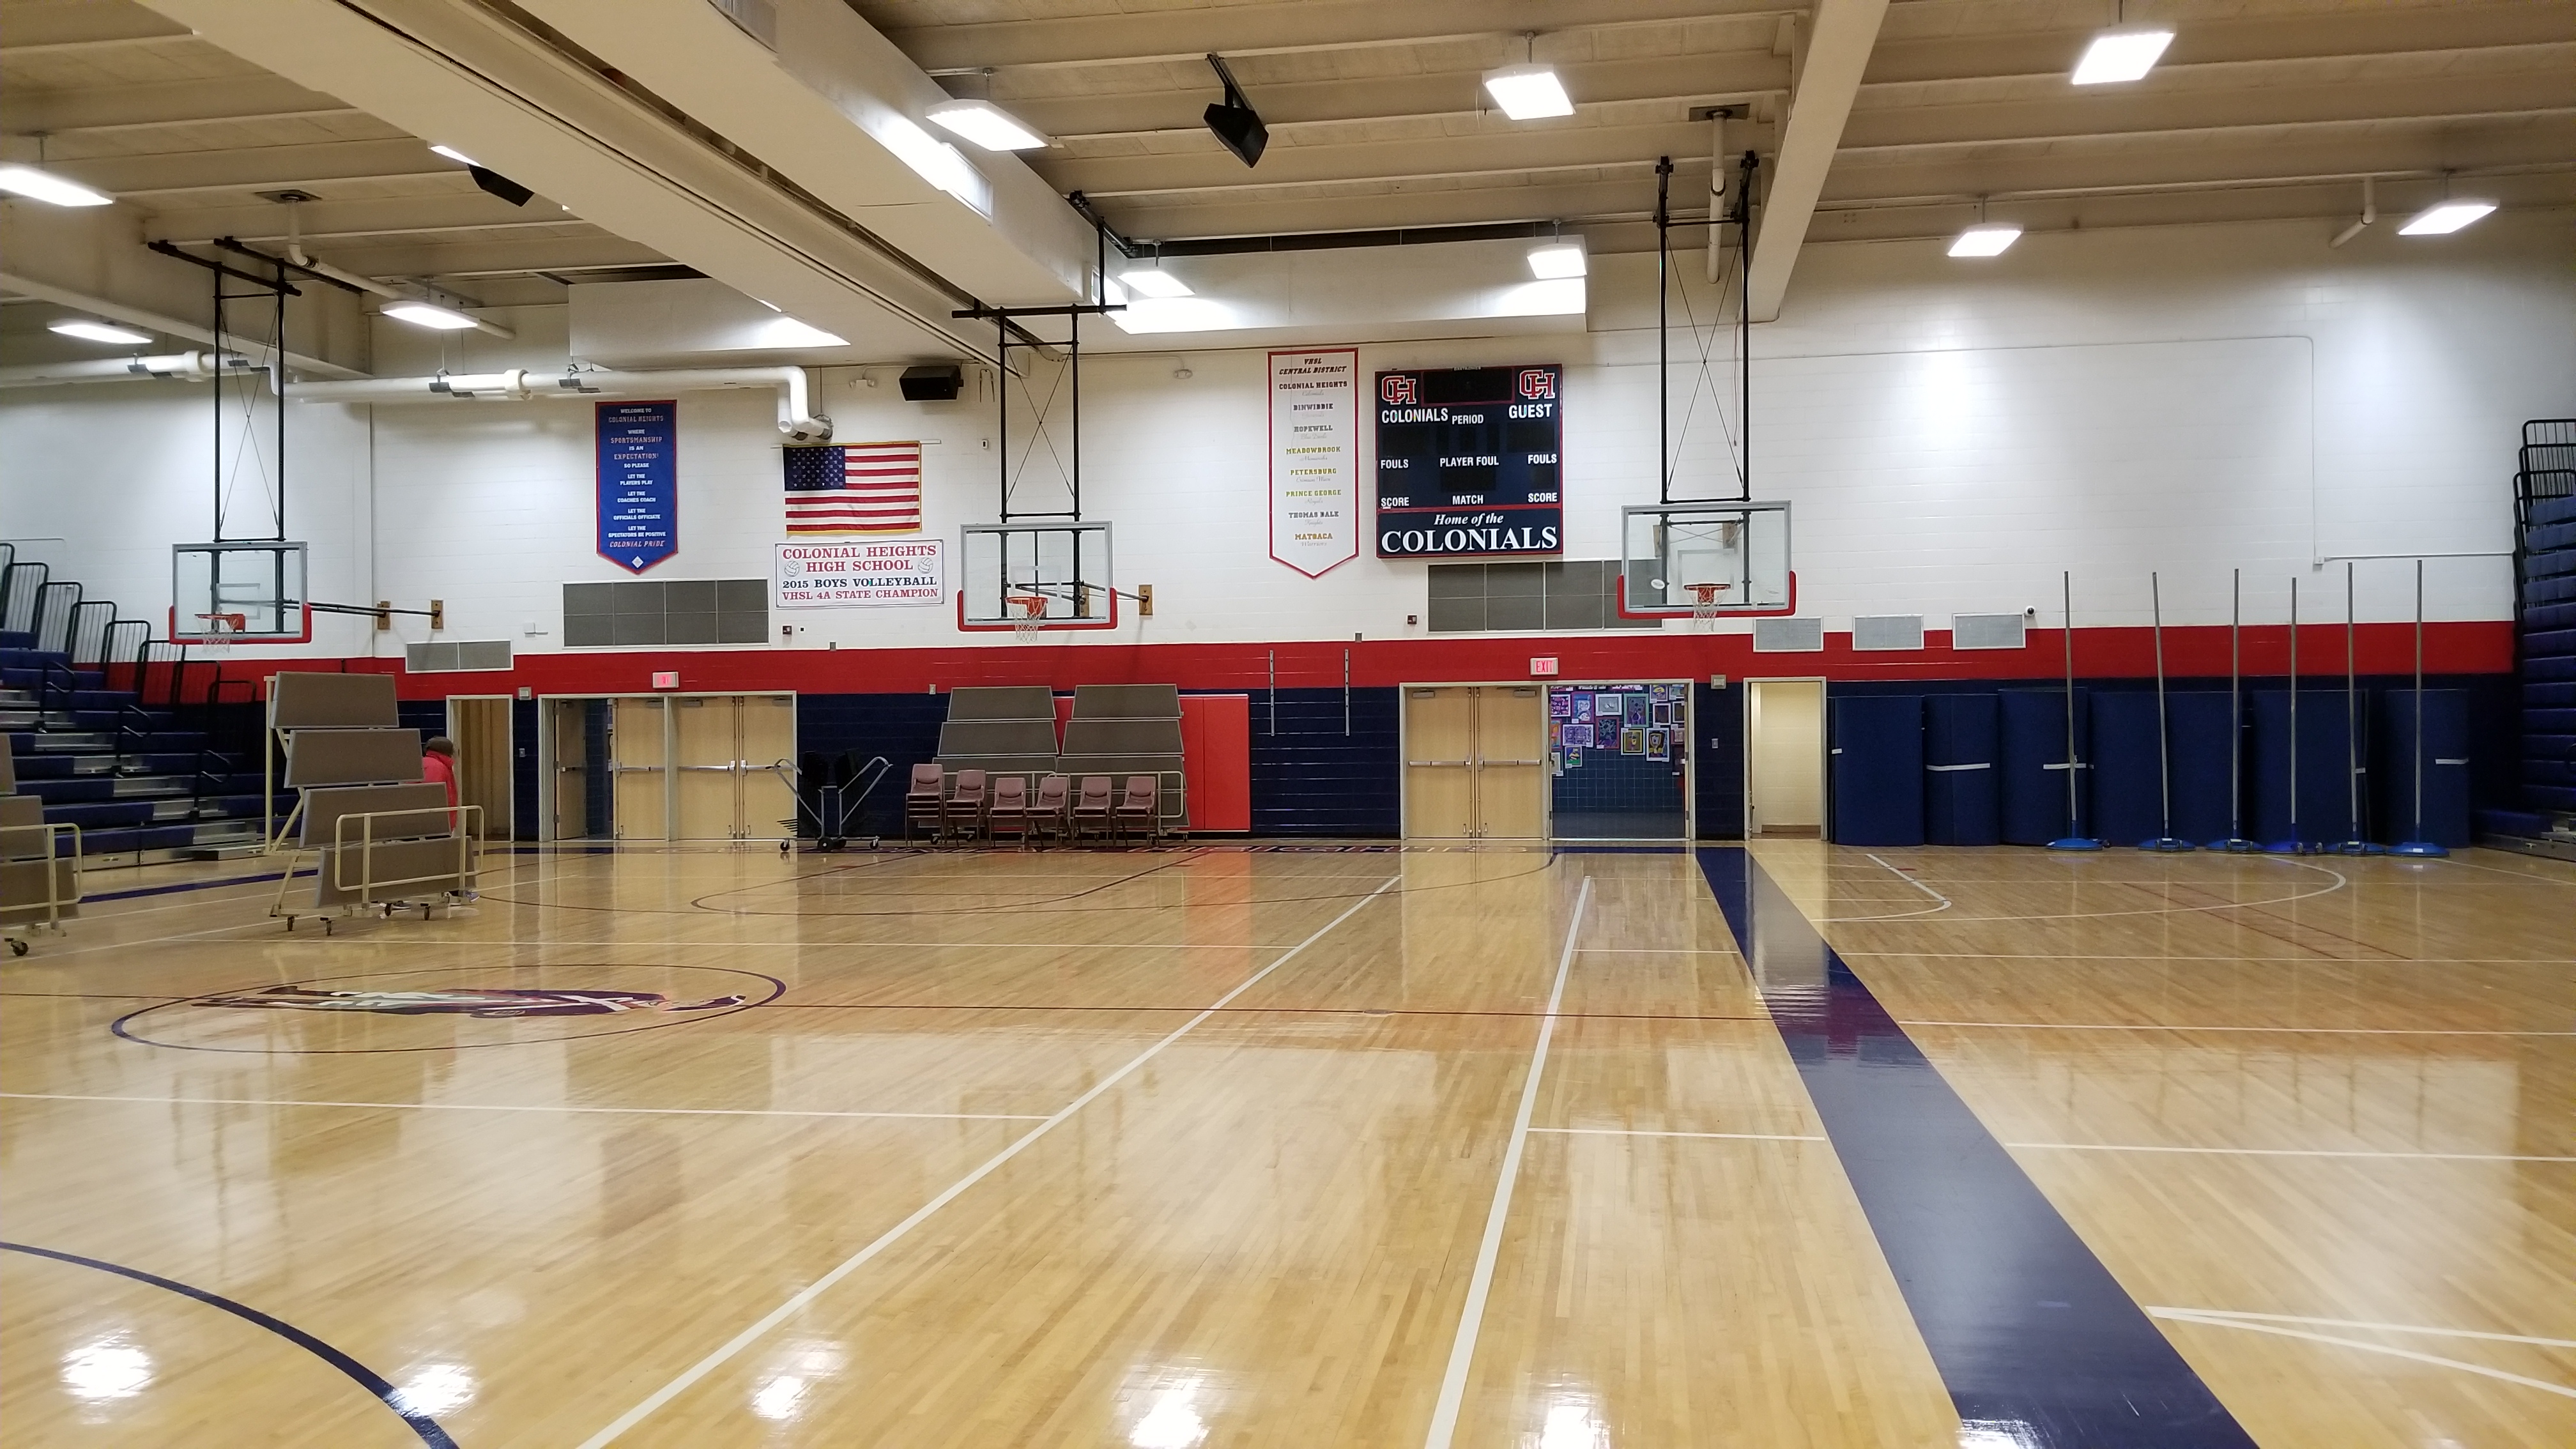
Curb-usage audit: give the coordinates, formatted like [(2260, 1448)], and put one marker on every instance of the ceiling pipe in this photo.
[(295, 253), (797, 420), (2369, 214), (177, 366)]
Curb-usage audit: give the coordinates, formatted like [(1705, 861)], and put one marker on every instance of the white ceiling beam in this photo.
[(1963, 39), (1492, 147), (27, 110), (266, 168), (1837, 48), (36, 29)]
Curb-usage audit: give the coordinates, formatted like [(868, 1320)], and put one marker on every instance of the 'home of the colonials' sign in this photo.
[(1314, 458), (1467, 462)]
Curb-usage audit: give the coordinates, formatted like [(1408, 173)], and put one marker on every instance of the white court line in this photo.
[(2286, 1152), (727, 942), (1650, 1132), (2179, 1315), (495, 1107), (1471, 1319), (2307, 1030), (2232, 960), (2230, 1313), (2339, 883), (811, 1291), (1907, 877)]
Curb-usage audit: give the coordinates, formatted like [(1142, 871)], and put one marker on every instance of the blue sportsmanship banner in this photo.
[(639, 483)]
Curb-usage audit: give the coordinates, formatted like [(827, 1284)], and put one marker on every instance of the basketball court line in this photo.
[(503, 1107), (2307, 1030), (2180, 1315), (2232, 1313), (1907, 877), (2285, 1152), (2223, 960), (1480, 1286), (1651, 1132), (2340, 882), (811, 1291)]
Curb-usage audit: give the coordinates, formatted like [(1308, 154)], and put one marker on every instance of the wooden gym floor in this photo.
[(1307, 1147)]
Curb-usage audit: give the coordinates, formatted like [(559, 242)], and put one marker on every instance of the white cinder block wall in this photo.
[(1951, 434)]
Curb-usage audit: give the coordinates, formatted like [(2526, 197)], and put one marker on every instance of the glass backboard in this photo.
[(1061, 570), (238, 593), (1736, 555)]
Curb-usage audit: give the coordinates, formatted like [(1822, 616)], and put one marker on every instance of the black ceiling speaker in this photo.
[(1238, 127), (938, 382), (500, 185)]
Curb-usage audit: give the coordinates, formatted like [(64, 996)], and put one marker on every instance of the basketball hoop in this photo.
[(1705, 602), (215, 641), (1031, 616)]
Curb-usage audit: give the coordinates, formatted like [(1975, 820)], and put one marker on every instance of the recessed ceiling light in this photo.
[(2121, 55), (1985, 240), (786, 331), (987, 125), (45, 186), (1528, 92), (1551, 263), (423, 314), (99, 332), (452, 154), (2443, 218), (1154, 282)]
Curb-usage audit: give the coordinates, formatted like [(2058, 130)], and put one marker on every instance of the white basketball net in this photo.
[(215, 639), (1029, 614), (1708, 601)]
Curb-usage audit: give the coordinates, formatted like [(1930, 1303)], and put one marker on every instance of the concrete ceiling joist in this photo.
[(1835, 53)]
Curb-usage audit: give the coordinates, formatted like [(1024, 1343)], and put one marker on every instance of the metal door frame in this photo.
[(509, 751), (1404, 758), (1690, 764), (670, 749), (1824, 751)]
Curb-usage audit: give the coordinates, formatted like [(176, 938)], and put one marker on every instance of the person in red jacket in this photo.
[(438, 763)]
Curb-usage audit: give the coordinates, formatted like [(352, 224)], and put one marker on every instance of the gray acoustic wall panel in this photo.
[(661, 613), (441, 657), (1788, 636), (1888, 631), (1525, 598), (1986, 631)]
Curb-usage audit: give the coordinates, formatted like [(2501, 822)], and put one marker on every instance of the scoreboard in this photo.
[(1467, 462)]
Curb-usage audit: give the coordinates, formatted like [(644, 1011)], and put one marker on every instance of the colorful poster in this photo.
[(1663, 715), (909, 573), (1639, 712), (1580, 706), (1574, 760), (637, 499), (1560, 705), (1632, 742), (1659, 744), (1314, 458), (1578, 735), (1468, 462)]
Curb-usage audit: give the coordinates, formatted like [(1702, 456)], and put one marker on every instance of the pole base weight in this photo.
[(2075, 842), (2167, 844), (2422, 849), (2359, 847), (2286, 847), (2236, 845)]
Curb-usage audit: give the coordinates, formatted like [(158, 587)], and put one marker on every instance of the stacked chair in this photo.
[(40, 880), (1000, 773), (378, 836)]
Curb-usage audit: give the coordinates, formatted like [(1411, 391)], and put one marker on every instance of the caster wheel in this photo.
[(17, 947)]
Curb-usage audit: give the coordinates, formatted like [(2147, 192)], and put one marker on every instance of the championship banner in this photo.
[(637, 488), (1314, 450), (859, 575), (1467, 463)]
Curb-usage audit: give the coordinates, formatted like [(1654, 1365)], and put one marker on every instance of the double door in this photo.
[(1475, 762), (674, 767)]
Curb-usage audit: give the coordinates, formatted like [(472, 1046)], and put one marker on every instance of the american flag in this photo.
[(872, 488)]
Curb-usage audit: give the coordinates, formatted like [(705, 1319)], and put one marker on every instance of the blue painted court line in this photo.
[(2037, 1343), (419, 1422)]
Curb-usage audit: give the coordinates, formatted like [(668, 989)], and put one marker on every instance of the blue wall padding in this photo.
[(2128, 787), (2202, 728), (1878, 769), (2325, 801), (2446, 768), (1959, 805), (2033, 796)]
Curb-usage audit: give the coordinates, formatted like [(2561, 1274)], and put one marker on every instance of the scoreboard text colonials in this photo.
[(1467, 462)]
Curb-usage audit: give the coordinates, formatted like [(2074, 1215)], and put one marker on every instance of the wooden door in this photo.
[(568, 721), (1440, 762), (768, 733), (705, 732), (641, 759), (1784, 757), (1511, 762), (480, 726)]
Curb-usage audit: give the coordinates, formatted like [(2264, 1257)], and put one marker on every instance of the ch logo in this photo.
[(1537, 382), (1397, 388)]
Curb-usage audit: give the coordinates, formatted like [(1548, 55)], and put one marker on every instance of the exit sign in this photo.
[(666, 679), (1540, 668)]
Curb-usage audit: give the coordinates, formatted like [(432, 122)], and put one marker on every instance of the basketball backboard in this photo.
[(238, 593), (1057, 572), (1733, 555)]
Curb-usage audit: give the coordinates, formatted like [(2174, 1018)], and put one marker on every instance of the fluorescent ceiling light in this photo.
[(783, 331), (1154, 282), (422, 314), (2446, 217), (452, 154), (1550, 263), (1528, 92), (1174, 314), (937, 162), (2121, 55), (987, 125), (45, 186), (1559, 297), (1984, 240), (99, 332)]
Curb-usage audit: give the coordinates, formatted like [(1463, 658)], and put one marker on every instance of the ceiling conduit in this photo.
[(797, 421), (180, 366)]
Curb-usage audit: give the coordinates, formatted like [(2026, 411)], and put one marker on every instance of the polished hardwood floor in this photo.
[(1234, 1146)]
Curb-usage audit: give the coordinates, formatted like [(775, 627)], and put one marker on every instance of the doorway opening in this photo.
[(480, 726), (670, 767), (1475, 762), (1619, 761), (1784, 757)]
